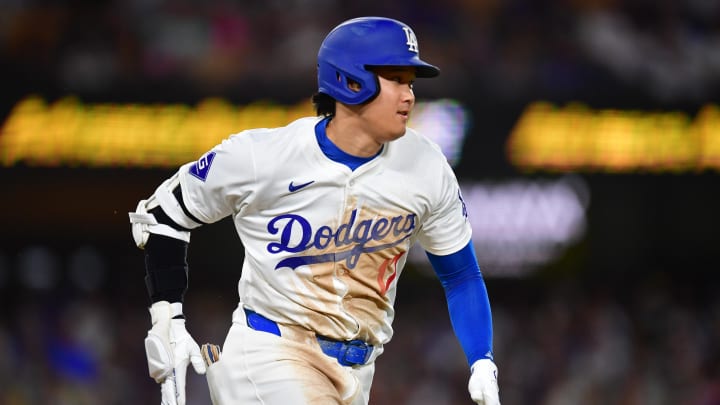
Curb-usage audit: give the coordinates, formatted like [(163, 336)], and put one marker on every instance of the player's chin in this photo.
[(400, 126), (397, 132)]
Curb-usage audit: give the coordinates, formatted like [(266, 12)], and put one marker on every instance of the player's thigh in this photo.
[(364, 376)]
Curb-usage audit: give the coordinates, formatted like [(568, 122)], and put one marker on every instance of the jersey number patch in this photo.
[(201, 168)]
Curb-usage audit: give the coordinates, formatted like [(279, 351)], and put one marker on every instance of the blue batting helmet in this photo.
[(355, 45)]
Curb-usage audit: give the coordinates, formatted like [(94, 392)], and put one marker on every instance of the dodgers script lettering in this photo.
[(387, 232)]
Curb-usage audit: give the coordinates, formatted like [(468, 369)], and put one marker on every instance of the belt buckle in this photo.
[(354, 352)]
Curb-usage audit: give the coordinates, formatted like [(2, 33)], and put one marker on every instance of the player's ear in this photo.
[(353, 85)]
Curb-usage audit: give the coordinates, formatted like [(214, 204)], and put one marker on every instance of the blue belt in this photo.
[(350, 353)]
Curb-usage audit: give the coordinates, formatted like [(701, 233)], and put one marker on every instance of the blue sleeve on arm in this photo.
[(467, 301)]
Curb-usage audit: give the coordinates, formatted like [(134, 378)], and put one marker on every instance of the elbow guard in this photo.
[(173, 219)]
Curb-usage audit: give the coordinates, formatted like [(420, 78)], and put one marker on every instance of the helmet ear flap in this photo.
[(337, 83)]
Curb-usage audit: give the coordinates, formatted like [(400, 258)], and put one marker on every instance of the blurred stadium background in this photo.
[(585, 133)]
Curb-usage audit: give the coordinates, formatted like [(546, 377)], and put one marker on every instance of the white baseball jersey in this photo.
[(325, 245)]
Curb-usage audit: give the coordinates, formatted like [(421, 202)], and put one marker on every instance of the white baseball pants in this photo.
[(261, 368)]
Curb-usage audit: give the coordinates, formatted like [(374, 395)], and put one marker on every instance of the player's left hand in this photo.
[(170, 349), (483, 385)]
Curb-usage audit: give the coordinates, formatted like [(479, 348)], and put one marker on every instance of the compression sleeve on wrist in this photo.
[(166, 268), (467, 301)]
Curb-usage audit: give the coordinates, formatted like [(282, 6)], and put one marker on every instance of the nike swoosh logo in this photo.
[(293, 188)]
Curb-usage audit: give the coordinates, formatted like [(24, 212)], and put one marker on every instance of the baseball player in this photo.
[(327, 209)]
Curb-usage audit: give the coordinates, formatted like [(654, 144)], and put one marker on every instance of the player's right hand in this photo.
[(169, 349), (483, 385)]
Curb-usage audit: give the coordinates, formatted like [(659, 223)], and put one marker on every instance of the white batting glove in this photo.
[(169, 349), (483, 385)]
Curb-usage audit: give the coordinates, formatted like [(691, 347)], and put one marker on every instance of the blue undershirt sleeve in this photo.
[(467, 301)]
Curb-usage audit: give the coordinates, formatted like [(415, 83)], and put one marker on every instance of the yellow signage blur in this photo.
[(577, 138), (71, 133)]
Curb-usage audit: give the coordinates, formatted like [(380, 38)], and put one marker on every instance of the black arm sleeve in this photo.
[(166, 268), (166, 258)]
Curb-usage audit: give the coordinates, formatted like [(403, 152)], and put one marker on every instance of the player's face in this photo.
[(389, 112)]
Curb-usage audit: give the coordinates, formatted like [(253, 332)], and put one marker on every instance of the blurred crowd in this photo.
[(161, 49), (72, 322), (558, 341)]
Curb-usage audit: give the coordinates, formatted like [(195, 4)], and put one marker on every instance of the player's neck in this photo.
[(352, 137)]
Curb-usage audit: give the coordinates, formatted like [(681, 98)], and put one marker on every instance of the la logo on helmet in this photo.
[(412, 42)]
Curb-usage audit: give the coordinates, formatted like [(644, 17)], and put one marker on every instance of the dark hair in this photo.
[(324, 104)]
